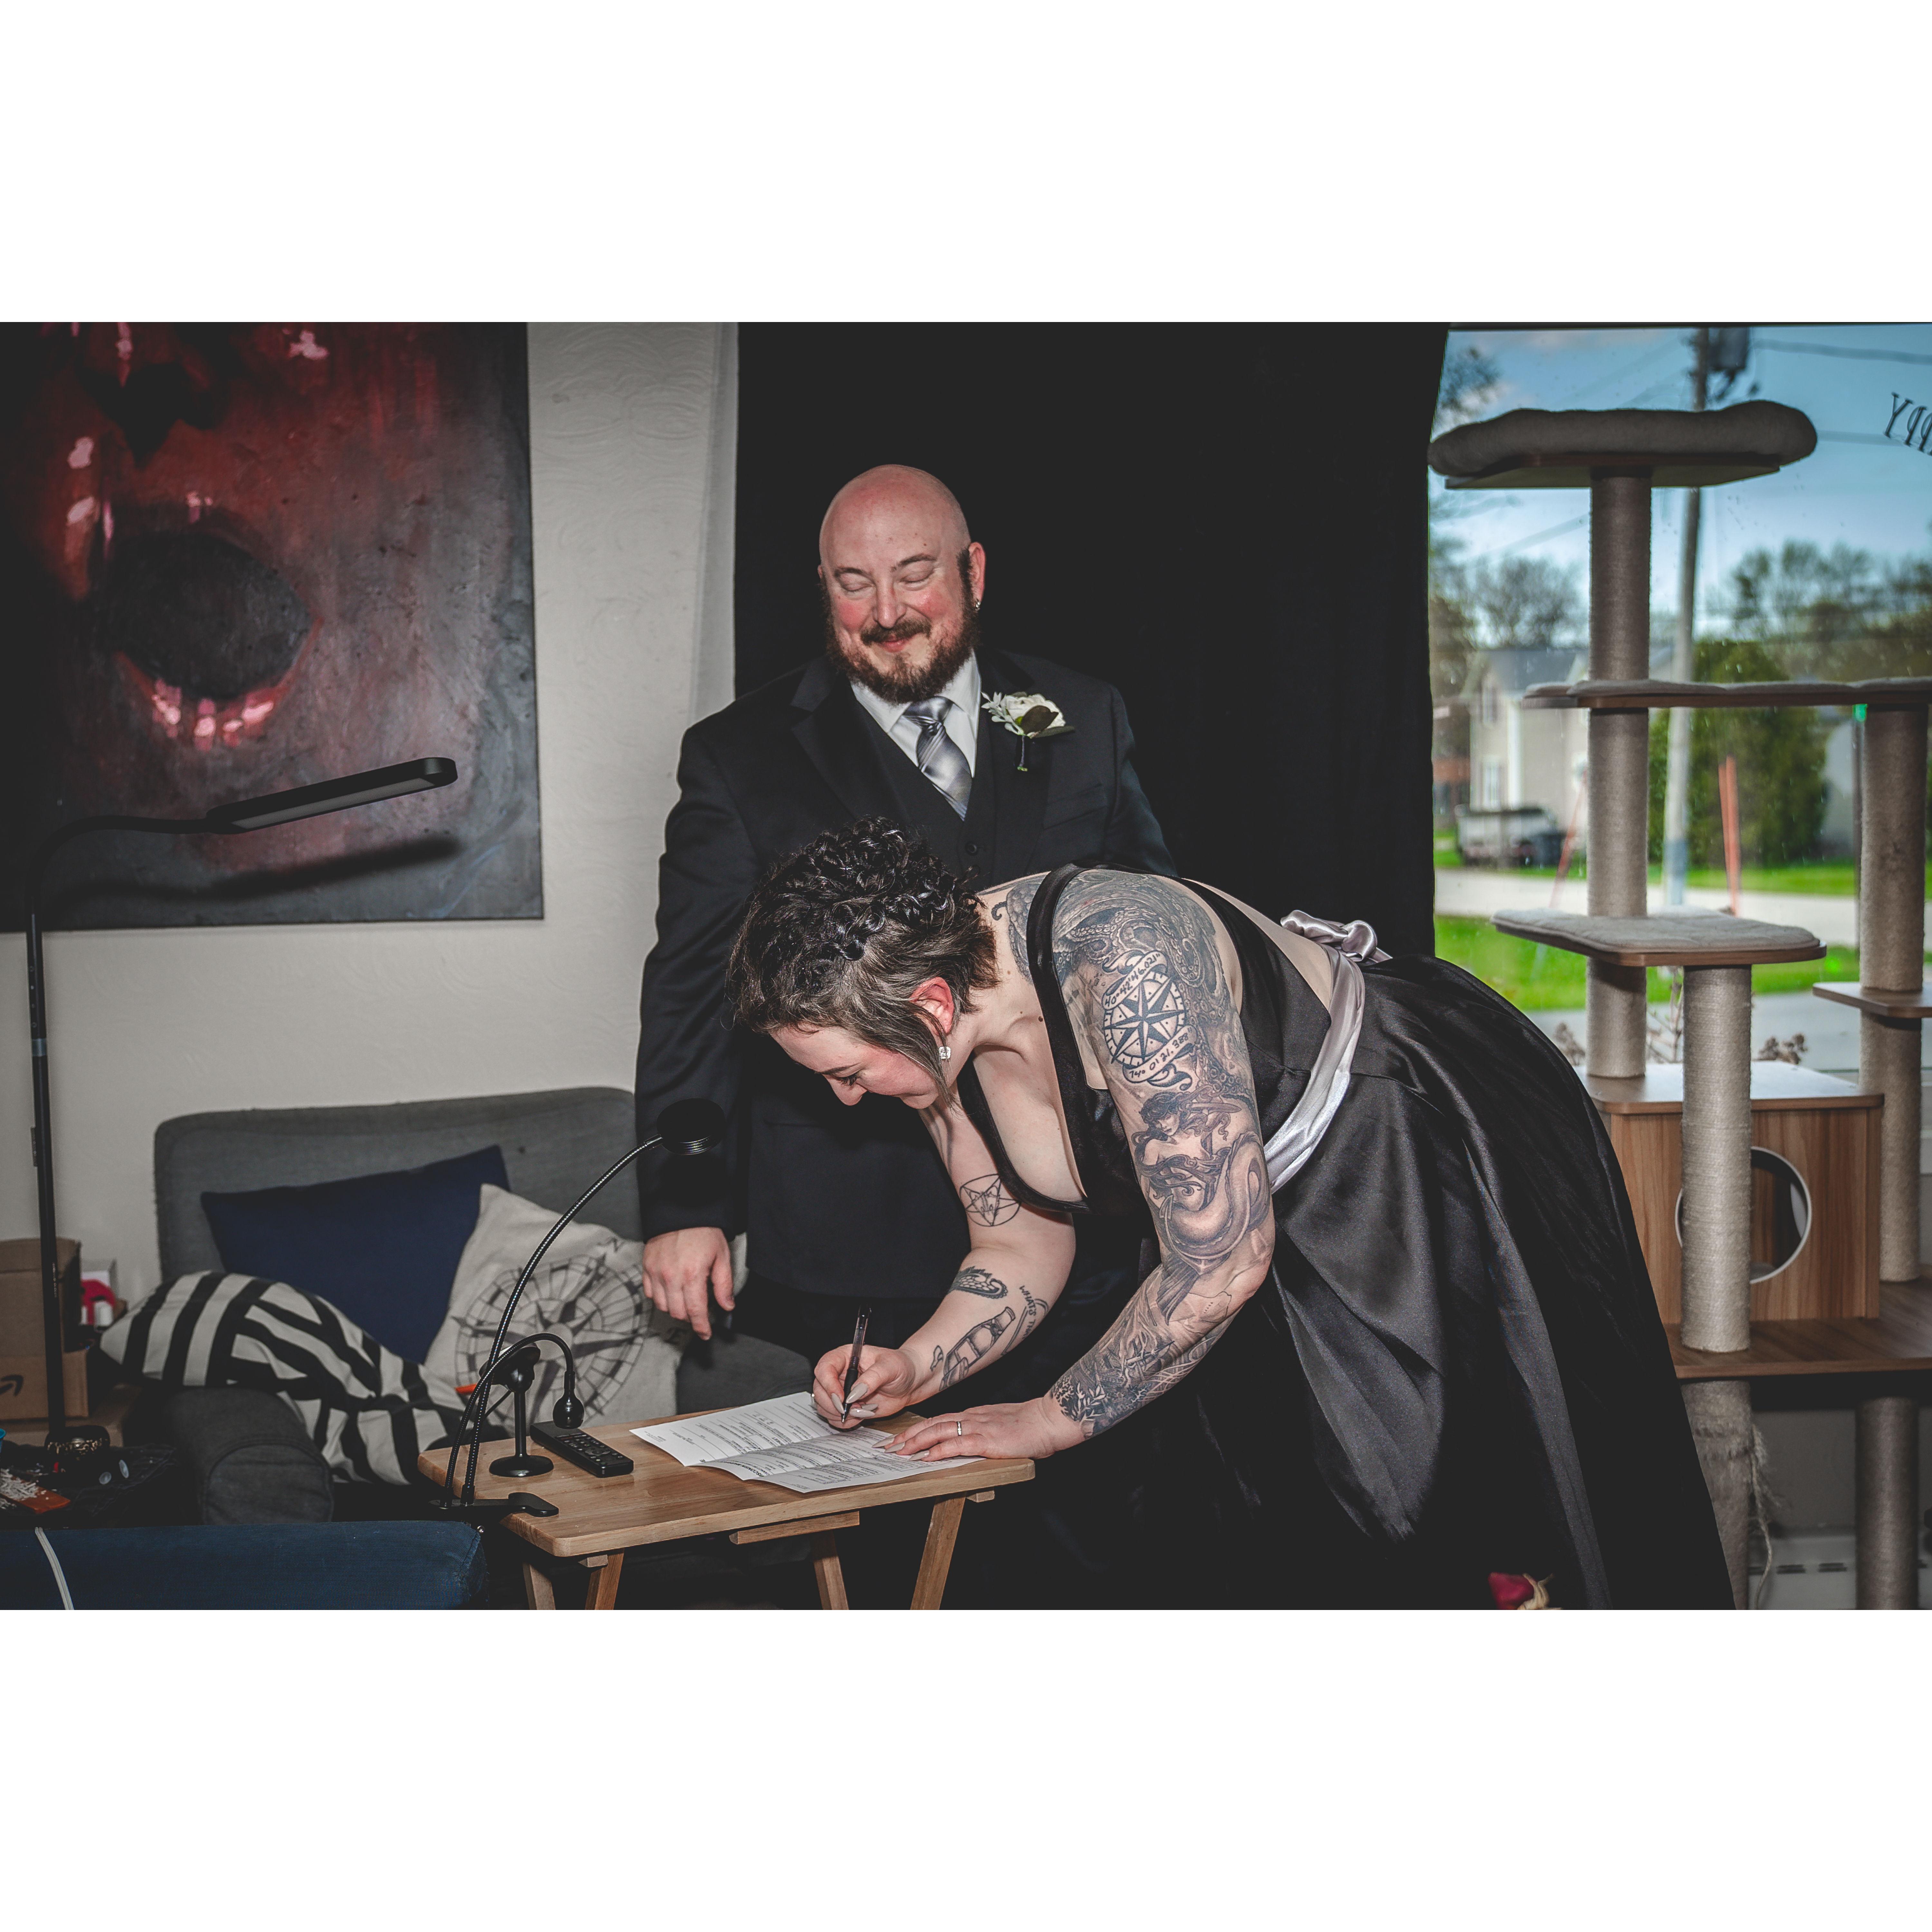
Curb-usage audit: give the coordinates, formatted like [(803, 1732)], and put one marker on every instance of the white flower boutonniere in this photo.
[(1028, 715)]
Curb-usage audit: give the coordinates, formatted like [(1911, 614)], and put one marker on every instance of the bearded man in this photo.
[(893, 722)]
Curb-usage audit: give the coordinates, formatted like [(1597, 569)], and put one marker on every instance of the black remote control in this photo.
[(581, 1447)]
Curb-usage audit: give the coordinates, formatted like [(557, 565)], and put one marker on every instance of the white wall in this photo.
[(631, 428)]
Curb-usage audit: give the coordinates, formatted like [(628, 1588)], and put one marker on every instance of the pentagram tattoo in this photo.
[(987, 1200)]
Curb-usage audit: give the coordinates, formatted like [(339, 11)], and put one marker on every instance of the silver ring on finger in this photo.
[(958, 1427)]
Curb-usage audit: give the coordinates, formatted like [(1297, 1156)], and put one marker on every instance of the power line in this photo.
[(1523, 543), (1620, 374), (1826, 349)]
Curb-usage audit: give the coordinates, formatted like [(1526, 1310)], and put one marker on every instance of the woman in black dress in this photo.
[(1395, 1334)]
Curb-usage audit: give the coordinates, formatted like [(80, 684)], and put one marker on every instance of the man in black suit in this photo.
[(845, 1205)]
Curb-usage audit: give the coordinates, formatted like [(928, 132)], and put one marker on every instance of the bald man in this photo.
[(843, 1206)]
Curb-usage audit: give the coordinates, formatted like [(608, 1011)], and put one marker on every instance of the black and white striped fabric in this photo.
[(369, 1412)]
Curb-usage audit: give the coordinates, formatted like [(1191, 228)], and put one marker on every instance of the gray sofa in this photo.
[(249, 1457)]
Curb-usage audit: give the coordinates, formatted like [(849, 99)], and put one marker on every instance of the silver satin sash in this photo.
[(1293, 1144)]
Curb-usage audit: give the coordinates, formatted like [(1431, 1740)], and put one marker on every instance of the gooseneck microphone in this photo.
[(684, 1127)]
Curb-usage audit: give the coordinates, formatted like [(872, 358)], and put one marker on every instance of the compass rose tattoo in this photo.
[(1145, 1022)]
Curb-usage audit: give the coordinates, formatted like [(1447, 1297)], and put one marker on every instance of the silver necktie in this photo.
[(939, 758)]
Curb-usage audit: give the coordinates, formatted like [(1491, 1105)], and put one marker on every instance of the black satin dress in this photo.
[(1457, 1366)]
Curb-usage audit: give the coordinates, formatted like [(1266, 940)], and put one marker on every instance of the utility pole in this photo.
[(1677, 780)]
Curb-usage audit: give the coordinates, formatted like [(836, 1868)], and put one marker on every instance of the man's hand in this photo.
[(683, 1269)]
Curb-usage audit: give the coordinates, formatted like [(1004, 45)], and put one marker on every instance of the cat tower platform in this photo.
[(1659, 694)]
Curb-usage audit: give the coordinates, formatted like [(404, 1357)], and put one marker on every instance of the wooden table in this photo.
[(600, 1517)]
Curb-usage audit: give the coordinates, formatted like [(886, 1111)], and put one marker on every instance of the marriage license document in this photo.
[(786, 1441)]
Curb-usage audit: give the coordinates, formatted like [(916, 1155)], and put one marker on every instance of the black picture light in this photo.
[(249, 815), (282, 807)]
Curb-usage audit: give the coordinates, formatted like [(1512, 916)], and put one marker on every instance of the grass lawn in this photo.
[(1538, 978), (1831, 877)]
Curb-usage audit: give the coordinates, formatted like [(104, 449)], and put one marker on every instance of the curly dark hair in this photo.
[(841, 933)]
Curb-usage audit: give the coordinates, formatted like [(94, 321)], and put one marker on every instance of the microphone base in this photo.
[(522, 1466), (481, 1512)]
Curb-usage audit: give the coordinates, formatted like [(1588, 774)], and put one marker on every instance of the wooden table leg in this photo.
[(940, 1534), (829, 1572), (602, 1594), (538, 1595)]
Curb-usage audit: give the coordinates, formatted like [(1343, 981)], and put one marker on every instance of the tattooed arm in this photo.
[(1145, 985), (1010, 916), (1138, 958), (1013, 1273)]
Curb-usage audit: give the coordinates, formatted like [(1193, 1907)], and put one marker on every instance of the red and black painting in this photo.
[(238, 558)]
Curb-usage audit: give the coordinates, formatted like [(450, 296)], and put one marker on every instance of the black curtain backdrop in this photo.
[(1229, 522)]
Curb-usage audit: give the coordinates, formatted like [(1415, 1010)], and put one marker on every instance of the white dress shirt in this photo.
[(962, 721)]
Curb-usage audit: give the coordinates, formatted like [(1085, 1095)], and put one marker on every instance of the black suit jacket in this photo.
[(841, 1200)]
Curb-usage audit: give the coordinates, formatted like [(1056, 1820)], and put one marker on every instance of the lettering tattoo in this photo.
[(1029, 1316), (1012, 911), (1138, 959), (987, 1200)]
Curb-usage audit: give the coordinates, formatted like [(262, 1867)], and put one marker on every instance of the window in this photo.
[(1821, 571)]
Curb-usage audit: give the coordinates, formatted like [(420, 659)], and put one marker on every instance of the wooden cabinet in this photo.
[(1827, 1132)]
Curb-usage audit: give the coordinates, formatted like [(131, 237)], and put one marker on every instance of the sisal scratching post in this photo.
[(1888, 1064), (1891, 950), (1891, 940), (1887, 1478), (1717, 1238), (1619, 761), (1717, 1157), (1720, 1426)]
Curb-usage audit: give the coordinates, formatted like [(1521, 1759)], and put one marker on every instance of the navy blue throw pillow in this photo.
[(383, 1248)]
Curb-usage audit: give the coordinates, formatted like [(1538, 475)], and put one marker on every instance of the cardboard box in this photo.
[(21, 1332), (110, 1412), (23, 1385)]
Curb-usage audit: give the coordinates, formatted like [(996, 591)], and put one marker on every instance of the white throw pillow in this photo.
[(589, 1289)]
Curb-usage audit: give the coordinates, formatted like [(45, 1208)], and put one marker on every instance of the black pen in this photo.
[(859, 1328)]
